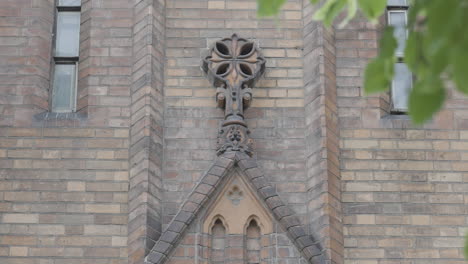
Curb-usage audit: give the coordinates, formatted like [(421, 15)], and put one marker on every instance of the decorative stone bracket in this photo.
[(233, 66)]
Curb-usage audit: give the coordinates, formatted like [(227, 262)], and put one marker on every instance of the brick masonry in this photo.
[(64, 178), (25, 47), (101, 185), (403, 187), (146, 133), (322, 136), (191, 119)]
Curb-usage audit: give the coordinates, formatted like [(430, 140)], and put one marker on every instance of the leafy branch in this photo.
[(436, 50)]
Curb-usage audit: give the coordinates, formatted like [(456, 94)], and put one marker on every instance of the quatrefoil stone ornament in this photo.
[(233, 66)]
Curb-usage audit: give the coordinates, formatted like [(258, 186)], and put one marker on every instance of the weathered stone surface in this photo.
[(155, 257), (274, 201), (267, 192)]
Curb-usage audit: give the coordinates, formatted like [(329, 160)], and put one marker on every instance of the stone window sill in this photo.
[(49, 119)]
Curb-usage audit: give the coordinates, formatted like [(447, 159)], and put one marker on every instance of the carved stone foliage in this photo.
[(234, 137), (233, 66)]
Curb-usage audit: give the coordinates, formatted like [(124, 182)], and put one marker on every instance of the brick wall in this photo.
[(64, 178), (404, 187), (191, 119), (64, 195), (100, 185), (25, 47)]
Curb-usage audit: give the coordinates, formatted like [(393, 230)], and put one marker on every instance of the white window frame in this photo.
[(400, 55), (389, 21), (57, 60), (405, 5)]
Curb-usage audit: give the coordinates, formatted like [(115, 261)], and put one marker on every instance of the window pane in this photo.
[(397, 3), (69, 3), (401, 87), (63, 95), (68, 34), (398, 20)]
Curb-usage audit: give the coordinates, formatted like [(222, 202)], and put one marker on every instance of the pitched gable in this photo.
[(204, 190)]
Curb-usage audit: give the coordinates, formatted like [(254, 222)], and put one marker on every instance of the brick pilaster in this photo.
[(146, 128), (322, 134)]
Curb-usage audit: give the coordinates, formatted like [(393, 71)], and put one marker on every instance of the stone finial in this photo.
[(233, 66)]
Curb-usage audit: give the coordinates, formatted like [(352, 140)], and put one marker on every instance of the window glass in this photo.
[(68, 34), (69, 3), (397, 3), (401, 87), (63, 96), (398, 20)]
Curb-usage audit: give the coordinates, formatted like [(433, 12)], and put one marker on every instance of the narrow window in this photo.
[(66, 55), (403, 79), (218, 242), (253, 245)]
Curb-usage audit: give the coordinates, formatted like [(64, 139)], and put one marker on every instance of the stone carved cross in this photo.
[(233, 66)]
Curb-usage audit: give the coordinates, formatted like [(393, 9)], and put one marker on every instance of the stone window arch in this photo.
[(252, 241), (235, 205), (218, 233), (237, 225)]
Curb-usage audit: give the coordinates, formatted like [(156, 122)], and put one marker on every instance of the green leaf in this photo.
[(269, 7), (375, 80), (460, 67), (334, 11), (379, 72), (352, 9), (388, 43), (466, 246), (372, 8), (437, 55), (441, 17), (426, 98), (414, 11), (412, 51), (323, 11)]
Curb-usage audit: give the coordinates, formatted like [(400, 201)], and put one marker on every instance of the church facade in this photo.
[(180, 132)]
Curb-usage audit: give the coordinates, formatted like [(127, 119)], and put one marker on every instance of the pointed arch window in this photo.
[(238, 227), (253, 242), (218, 242)]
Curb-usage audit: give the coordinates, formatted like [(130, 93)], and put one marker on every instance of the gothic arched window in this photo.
[(218, 242), (252, 242)]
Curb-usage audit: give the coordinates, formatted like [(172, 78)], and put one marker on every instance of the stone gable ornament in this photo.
[(233, 66)]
